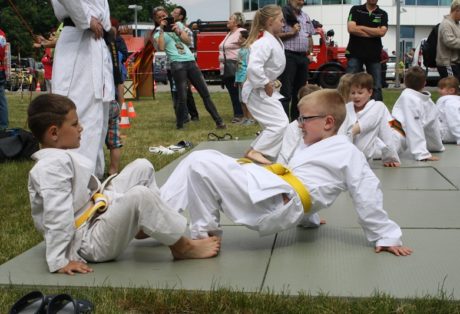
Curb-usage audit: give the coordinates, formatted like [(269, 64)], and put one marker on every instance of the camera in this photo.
[(170, 20)]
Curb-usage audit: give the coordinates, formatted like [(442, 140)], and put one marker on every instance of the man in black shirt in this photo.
[(367, 24)]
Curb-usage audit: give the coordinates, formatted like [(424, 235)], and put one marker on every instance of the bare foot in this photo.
[(257, 157), (141, 235), (187, 248)]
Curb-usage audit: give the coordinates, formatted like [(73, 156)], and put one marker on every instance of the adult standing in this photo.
[(367, 24), (298, 43), (448, 48), (228, 54), (174, 41), (180, 15), (82, 71), (3, 102)]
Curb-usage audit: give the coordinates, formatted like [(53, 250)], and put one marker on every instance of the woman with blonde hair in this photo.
[(266, 63)]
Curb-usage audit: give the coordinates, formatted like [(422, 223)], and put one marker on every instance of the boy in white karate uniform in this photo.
[(62, 188), (367, 119), (449, 110), (416, 119), (265, 65), (207, 182)]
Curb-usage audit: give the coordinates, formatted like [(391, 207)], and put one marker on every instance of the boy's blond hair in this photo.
[(449, 82), (345, 85), (415, 78), (326, 102), (307, 89)]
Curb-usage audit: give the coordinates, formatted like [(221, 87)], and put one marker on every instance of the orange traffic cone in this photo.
[(38, 88), (131, 112), (124, 119)]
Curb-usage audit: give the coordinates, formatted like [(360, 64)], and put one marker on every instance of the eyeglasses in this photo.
[(302, 119)]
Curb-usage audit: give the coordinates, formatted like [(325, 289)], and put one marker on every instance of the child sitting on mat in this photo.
[(67, 200)]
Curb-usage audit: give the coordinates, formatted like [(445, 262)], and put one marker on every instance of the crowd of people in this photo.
[(314, 143)]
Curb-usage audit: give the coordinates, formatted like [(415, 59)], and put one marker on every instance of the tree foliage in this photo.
[(39, 16)]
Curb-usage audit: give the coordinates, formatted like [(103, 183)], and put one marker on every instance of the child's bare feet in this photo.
[(257, 157), (186, 248)]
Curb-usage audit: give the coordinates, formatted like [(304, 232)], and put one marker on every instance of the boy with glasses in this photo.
[(274, 198)]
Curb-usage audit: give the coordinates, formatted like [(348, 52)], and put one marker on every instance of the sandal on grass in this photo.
[(64, 303), (33, 302), (161, 150), (214, 137)]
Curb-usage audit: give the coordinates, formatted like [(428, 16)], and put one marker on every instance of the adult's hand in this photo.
[(96, 27), (269, 89)]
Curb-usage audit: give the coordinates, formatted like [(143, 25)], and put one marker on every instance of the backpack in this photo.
[(17, 144), (429, 48)]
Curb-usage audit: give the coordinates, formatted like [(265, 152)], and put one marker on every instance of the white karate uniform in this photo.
[(266, 63), (82, 71), (419, 118), (60, 189), (449, 118), (208, 181), (375, 139)]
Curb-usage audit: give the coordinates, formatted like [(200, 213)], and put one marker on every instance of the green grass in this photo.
[(155, 125)]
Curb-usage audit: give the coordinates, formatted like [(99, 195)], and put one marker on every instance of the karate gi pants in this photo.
[(135, 204)]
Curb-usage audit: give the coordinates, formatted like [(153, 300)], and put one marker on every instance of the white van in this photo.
[(432, 76)]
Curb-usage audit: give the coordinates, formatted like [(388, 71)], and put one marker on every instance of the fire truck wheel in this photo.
[(329, 76)]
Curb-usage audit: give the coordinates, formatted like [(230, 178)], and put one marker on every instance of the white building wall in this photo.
[(335, 17)]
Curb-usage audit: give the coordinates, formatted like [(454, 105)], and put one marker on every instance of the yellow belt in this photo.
[(284, 173), (100, 206)]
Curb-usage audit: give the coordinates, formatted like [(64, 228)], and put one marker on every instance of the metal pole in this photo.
[(135, 21), (398, 31)]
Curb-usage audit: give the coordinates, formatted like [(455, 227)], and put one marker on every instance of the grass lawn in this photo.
[(155, 125)]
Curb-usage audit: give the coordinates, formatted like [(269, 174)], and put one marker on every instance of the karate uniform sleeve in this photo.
[(258, 57), (453, 119), (55, 182), (79, 12), (432, 128), (364, 188), (413, 126), (385, 134)]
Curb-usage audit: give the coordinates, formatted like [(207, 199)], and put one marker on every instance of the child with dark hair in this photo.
[(416, 119), (368, 122), (83, 220), (449, 110)]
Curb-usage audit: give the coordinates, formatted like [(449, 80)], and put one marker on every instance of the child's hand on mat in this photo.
[(396, 250), (391, 164), (75, 267)]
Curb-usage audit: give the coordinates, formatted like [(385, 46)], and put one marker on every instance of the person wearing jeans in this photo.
[(355, 65), (297, 40), (367, 24), (174, 40)]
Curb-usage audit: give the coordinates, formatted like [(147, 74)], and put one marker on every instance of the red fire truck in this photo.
[(327, 64)]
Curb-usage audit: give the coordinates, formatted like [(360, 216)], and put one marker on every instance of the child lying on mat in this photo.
[(78, 222), (207, 182)]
